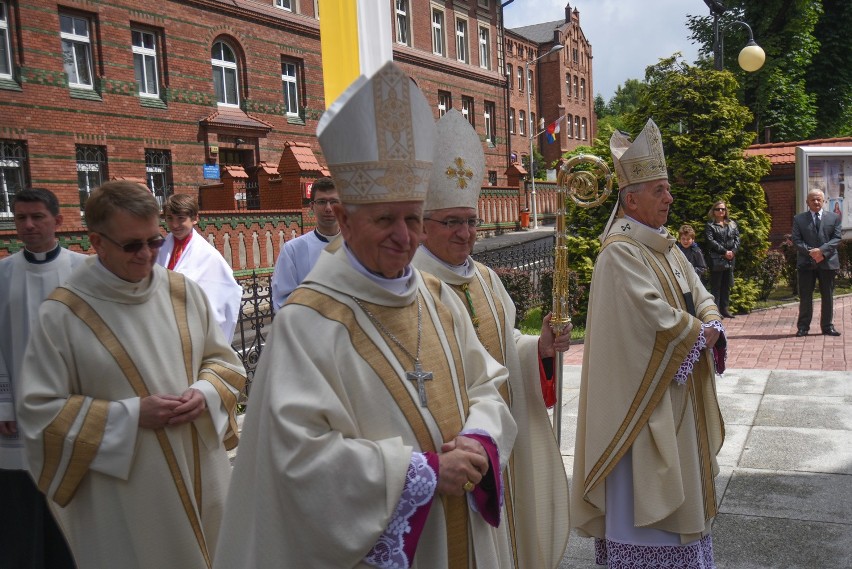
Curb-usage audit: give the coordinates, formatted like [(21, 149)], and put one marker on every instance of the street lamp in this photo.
[(751, 57), (531, 131)]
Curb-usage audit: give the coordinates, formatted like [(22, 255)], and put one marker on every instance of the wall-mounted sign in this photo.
[(211, 171), (214, 149), (308, 187)]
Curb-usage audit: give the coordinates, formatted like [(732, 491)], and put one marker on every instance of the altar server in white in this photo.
[(188, 253)]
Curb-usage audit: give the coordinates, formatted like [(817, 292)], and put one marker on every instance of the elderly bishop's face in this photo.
[(384, 236)]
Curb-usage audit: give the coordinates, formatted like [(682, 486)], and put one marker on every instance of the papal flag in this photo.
[(356, 40)]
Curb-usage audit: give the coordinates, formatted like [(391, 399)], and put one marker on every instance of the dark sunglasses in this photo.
[(720, 209), (135, 246)]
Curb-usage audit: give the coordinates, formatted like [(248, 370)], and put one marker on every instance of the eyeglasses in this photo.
[(454, 222), (323, 203), (135, 246), (720, 209)]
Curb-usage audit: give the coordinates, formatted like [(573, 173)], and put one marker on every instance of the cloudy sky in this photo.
[(626, 35)]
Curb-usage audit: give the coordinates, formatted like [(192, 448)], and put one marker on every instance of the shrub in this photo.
[(520, 288), (789, 251), (769, 272)]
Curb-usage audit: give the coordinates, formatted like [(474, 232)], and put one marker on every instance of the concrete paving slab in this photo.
[(810, 450), (723, 479), (739, 408), (752, 542), (580, 553), (742, 381), (799, 496), (571, 376), (732, 448), (825, 383), (810, 412)]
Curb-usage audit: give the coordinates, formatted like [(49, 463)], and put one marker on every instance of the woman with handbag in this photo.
[(723, 241)]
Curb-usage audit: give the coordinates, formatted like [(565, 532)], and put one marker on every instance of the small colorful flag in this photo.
[(552, 130)]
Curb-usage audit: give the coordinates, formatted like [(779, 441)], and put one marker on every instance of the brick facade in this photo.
[(562, 85)]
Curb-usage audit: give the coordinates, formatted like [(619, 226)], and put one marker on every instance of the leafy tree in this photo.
[(600, 106), (540, 168), (626, 97), (779, 94), (830, 75), (702, 124)]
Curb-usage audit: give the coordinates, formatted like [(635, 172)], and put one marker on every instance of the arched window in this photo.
[(225, 82)]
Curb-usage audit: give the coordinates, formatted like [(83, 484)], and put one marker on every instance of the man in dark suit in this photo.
[(816, 235)]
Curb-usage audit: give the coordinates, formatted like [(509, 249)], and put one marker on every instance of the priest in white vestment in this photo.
[(29, 536), (299, 255), (188, 253), (376, 434), (128, 406), (649, 425), (537, 488)]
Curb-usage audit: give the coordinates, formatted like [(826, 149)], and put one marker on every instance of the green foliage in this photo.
[(600, 106), (802, 87), (520, 288), (627, 97), (769, 273), (540, 167), (789, 251)]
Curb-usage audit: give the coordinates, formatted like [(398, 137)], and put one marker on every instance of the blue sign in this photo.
[(211, 171)]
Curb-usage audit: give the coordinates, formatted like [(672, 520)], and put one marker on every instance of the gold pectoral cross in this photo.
[(419, 376)]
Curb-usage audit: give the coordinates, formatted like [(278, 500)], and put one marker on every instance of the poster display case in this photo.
[(828, 168)]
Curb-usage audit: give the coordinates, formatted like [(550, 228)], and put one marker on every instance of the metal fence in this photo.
[(256, 307)]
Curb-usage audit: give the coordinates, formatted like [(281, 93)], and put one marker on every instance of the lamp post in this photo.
[(531, 131), (751, 57)]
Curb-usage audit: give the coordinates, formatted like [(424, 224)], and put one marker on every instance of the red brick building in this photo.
[(177, 93), (559, 85)]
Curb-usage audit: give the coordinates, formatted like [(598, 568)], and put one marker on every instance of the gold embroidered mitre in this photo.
[(378, 138), (458, 166), (641, 161)]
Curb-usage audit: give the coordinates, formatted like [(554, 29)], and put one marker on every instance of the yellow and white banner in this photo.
[(356, 40)]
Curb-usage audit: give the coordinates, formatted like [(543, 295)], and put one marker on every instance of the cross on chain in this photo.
[(419, 376)]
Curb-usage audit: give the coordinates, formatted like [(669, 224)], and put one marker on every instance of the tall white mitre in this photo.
[(458, 166), (378, 138), (641, 161)]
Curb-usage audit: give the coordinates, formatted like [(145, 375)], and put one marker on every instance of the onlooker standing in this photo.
[(29, 536), (723, 240), (690, 249), (298, 256), (192, 256), (816, 235)]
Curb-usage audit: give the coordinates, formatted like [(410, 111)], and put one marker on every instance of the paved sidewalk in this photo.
[(785, 486)]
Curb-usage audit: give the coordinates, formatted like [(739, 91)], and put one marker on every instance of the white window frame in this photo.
[(462, 43), (484, 37), (582, 89), (284, 5), (439, 40), (290, 87), (522, 128), (445, 103), (577, 126), (489, 115), (467, 110), (73, 39), (530, 82), (576, 88), (584, 137), (223, 65), (402, 10), (511, 120), (145, 53), (520, 79), (569, 122), (90, 159), (5, 42), (510, 76)]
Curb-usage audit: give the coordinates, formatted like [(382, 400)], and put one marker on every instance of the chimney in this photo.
[(577, 16)]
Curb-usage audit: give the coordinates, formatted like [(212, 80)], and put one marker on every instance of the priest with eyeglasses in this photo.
[(375, 434), (127, 408)]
